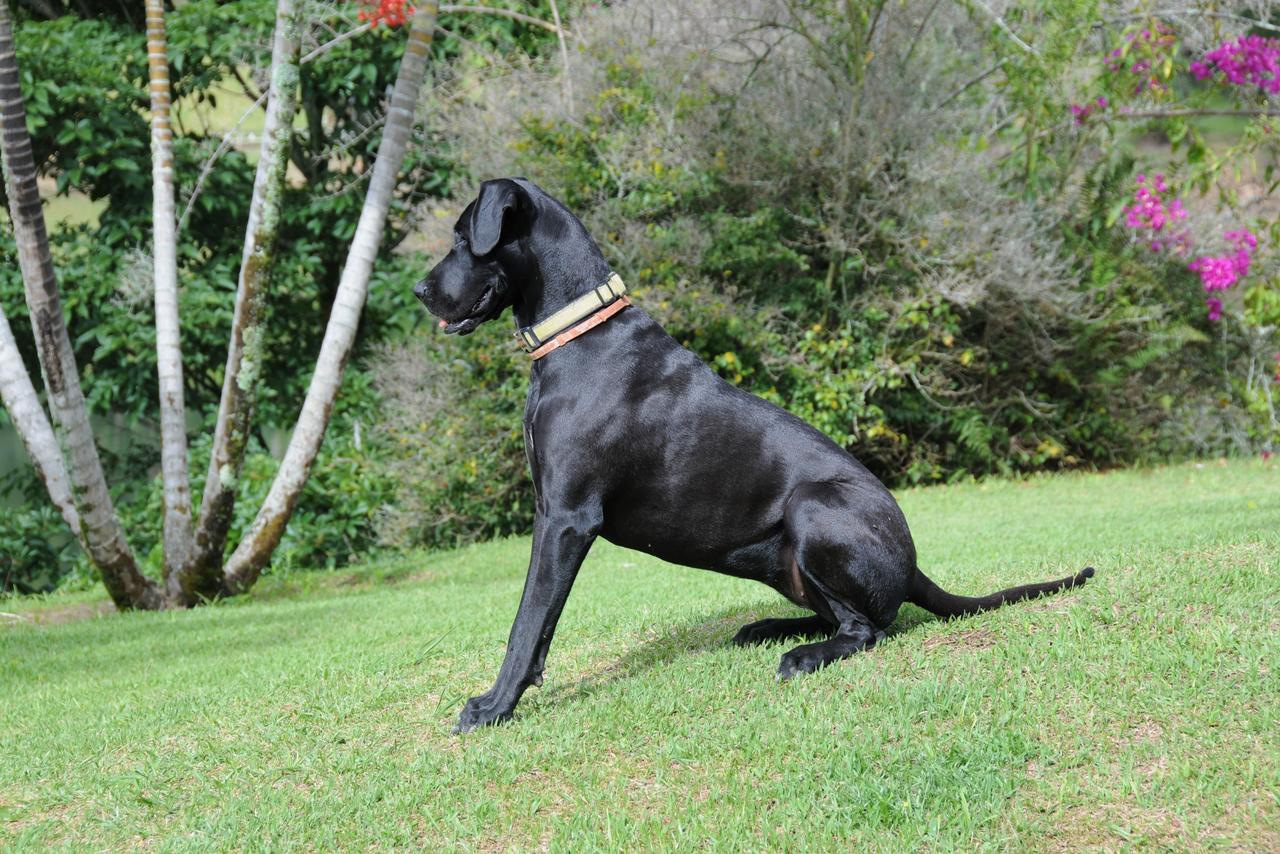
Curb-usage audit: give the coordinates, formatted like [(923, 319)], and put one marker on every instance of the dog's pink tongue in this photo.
[(443, 324)]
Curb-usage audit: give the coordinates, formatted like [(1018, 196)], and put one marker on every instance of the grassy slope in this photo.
[(1139, 709)]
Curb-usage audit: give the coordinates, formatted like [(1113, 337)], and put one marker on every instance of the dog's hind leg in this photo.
[(781, 629), (853, 632), (855, 557)]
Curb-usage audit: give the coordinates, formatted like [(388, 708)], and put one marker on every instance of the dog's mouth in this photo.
[(486, 308)]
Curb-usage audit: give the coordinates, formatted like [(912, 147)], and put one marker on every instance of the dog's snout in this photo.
[(420, 291)]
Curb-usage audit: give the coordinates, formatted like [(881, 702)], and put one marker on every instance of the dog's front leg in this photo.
[(560, 542)]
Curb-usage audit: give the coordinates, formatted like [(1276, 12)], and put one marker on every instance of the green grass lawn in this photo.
[(1139, 710)]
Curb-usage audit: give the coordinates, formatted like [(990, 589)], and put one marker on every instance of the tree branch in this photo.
[(564, 56), (164, 239), (254, 550), (247, 346), (446, 9), (1188, 13), (320, 51), (103, 537), (228, 138), (1164, 114), (1005, 28), (971, 82), (19, 398)]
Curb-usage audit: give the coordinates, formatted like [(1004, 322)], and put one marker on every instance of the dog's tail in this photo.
[(934, 599)]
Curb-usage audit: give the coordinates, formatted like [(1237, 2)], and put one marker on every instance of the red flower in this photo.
[(393, 13)]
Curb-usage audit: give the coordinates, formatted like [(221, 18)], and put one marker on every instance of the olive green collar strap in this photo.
[(533, 337)]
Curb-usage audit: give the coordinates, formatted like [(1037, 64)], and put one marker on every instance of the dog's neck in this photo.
[(565, 264)]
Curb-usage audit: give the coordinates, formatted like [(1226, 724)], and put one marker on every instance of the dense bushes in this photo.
[(817, 205)]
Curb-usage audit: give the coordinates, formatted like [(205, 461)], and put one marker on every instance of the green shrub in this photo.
[(879, 270), (36, 550)]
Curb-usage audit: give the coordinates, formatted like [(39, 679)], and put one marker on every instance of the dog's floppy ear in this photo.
[(496, 199)]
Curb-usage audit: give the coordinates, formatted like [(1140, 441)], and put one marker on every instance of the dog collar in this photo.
[(582, 315)]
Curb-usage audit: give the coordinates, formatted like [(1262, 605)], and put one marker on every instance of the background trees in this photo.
[(191, 557), (904, 222)]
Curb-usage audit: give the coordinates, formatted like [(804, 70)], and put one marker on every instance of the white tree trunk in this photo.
[(173, 416), (19, 398), (247, 346), (100, 528), (255, 549)]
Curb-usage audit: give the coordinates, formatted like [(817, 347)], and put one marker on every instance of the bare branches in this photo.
[(228, 139), (446, 9), (566, 78), (1167, 114), (973, 81), (999, 21), (1190, 12), (321, 50)]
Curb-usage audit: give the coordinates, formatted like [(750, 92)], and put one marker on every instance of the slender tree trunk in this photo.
[(246, 349), (164, 239), (19, 398), (99, 525), (255, 549)]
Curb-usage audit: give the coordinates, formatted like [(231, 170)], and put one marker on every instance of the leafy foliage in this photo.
[(944, 301), (84, 81)]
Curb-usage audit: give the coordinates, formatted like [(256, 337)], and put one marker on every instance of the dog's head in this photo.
[(478, 278)]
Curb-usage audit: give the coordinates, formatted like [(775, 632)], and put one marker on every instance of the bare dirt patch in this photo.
[(971, 639), (63, 614)]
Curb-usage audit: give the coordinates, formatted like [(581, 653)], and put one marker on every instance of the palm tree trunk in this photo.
[(164, 238), (255, 549), (246, 349), (20, 401), (103, 536)]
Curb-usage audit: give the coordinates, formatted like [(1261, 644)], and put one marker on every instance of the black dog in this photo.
[(631, 437)]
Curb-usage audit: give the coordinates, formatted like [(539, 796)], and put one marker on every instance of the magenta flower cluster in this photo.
[(1083, 112), (1145, 52), (1247, 61), (1222, 272), (1154, 217)]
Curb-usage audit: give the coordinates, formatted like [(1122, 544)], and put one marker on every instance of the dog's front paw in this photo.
[(482, 711)]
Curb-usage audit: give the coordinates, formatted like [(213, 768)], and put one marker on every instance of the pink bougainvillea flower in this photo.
[(1222, 272), (1082, 113), (1148, 49), (1247, 61), (1152, 217)]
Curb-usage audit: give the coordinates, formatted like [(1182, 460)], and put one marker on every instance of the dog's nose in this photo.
[(420, 291)]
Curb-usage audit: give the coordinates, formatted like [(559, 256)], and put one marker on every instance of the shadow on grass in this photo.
[(703, 634)]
